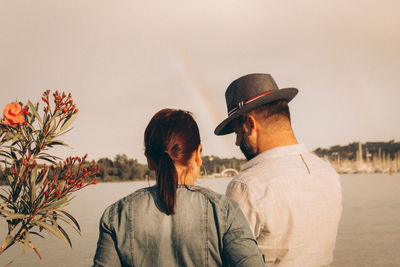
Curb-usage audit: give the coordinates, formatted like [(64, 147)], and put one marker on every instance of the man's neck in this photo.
[(276, 139)]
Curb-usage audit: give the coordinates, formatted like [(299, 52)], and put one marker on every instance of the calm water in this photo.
[(369, 233)]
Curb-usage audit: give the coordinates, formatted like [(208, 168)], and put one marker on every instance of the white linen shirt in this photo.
[(292, 200)]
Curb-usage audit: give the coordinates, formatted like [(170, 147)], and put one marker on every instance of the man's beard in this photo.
[(248, 151)]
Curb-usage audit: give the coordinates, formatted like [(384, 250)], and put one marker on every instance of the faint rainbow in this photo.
[(182, 65)]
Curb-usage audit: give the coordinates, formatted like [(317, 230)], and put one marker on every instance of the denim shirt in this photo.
[(207, 229)]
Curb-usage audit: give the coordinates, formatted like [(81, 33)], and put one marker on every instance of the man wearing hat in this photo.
[(291, 197)]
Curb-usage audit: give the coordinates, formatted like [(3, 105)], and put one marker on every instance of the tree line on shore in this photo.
[(391, 149), (122, 168)]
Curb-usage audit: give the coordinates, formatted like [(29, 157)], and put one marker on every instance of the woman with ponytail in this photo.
[(175, 223)]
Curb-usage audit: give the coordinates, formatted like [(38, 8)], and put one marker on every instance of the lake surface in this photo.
[(369, 233)]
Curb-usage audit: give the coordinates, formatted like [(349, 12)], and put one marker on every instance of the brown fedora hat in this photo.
[(248, 92)]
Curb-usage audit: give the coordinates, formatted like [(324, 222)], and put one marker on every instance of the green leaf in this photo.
[(47, 159), (65, 235), (35, 233), (56, 142), (33, 184), (64, 219), (16, 191), (56, 204), (4, 211), (52, 122), (46, 117), (40, 199), (71, 218), (5, 154), (42, 154), (43, 178), (31, 127), (53, 220), (4, 198), (8, 192), (21, 171), (52, 229), (34, 111), (15, 139), (4, 161), (10, 179), (53, 125), (34, 174), (62, 133), (9, 135), (7, 242), (68, 122), (16, 216), (62, 185)]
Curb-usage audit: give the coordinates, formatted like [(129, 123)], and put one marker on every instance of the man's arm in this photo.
[(240, 247), (239, 192)]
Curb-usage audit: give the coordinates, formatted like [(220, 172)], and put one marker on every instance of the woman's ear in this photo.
[(197, 157), (150, 163)]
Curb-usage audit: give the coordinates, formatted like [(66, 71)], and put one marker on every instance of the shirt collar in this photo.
[(275, 153)]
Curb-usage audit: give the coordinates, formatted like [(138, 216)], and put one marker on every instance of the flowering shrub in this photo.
[(37, 193)]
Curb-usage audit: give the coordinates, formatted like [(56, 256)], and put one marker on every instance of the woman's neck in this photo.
[(185, 176)]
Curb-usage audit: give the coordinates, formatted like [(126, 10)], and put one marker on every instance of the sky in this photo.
[(122, 61)]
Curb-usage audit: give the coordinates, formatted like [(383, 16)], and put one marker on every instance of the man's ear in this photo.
[(250, 124)]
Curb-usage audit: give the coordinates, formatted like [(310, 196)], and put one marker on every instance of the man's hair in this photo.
[(275, 109)]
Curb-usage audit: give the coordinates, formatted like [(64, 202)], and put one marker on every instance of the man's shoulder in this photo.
[(251, 180), (264, 170)]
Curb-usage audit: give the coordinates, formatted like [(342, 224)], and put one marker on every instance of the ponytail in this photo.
[(170, 138), (167, 180)]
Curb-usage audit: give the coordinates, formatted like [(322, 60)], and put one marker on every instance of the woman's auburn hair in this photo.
[(171, 136)]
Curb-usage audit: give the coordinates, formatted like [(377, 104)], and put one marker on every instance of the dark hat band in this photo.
[(242, 103)]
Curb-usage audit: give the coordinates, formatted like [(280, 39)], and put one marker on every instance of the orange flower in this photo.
[(13, 114)]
